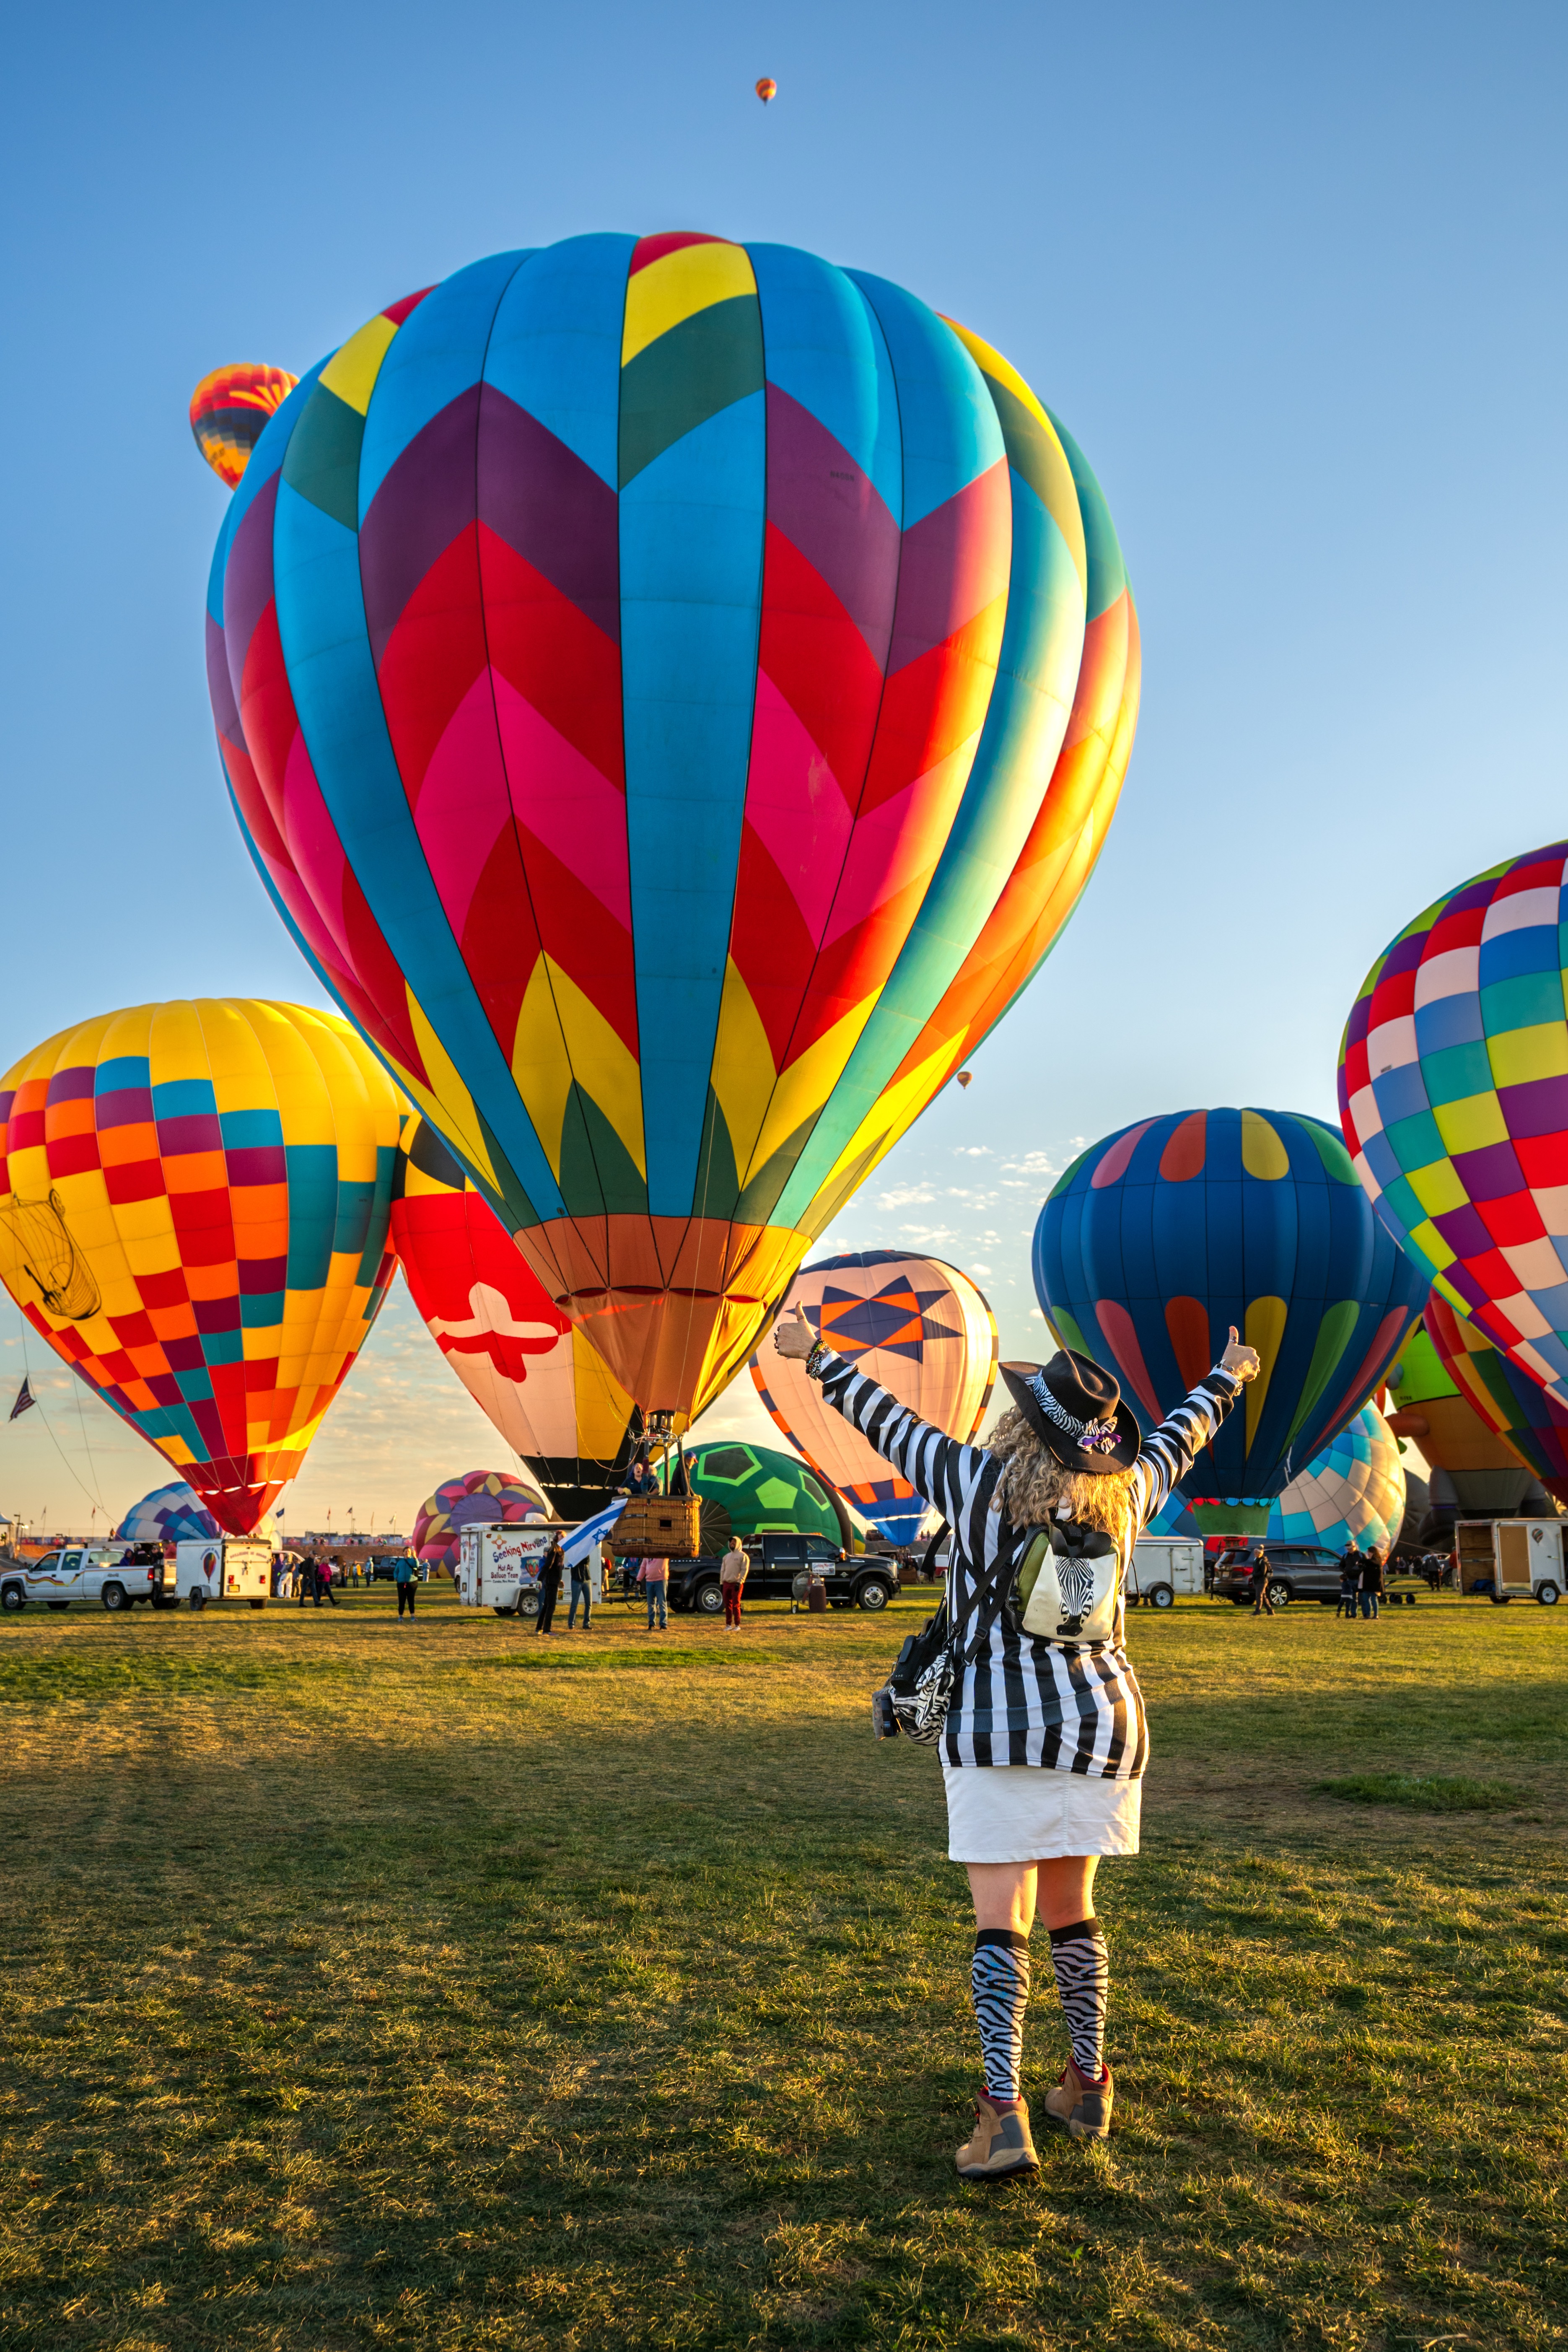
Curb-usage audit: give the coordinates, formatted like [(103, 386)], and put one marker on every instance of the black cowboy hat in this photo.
[(1075, 1411)]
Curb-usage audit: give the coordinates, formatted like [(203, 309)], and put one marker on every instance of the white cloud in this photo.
[(906, 1196)]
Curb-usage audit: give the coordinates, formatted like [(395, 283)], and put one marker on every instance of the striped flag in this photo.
[(581, 1541), (25, 1399)]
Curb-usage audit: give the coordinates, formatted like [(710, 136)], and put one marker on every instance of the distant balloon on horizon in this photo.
[(966, 1077), (767, 89)]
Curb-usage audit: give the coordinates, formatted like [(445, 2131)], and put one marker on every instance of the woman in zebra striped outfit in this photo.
[(1045, 1741)]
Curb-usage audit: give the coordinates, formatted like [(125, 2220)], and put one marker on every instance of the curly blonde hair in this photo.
[(1034, 1486)]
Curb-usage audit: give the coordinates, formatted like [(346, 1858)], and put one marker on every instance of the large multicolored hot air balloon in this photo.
[(193, 1206), (676, 692), (229, 410), (553, 1401), (479, 1498), (1160, 1237), (1352, 1491), (1475, 1472), (1519, 1409), (918, 1327), (170, 1514), (1454, 1100)]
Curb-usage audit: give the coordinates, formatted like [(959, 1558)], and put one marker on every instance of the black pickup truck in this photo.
[(861, 1581)]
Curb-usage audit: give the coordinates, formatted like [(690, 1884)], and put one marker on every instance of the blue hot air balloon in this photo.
[(1160, 1237)]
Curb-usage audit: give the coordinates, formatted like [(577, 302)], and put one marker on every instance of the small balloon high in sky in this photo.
[(767, 88)]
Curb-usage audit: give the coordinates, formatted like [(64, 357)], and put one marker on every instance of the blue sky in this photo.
[(1292, 276)]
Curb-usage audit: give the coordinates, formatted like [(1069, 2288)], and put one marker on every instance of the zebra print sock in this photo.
[(1083, 1980), (999, 1988)]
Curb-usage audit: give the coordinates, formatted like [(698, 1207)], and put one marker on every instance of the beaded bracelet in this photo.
[(814, 1361)]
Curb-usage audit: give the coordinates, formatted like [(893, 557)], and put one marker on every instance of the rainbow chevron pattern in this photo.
[(1454, 1101), (676, 692), (194, 1208)]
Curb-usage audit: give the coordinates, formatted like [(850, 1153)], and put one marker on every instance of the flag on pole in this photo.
[(25, 1399), (581, 1542)]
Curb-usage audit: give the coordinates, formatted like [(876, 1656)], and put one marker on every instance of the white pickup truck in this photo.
[(114, 1576)]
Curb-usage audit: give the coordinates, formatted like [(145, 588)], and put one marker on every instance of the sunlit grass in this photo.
[(448, 1987)]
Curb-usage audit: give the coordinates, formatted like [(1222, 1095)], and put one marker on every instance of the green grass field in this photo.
[(446, 1987)]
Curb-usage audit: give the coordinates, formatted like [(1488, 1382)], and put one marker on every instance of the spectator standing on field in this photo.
[(1349, 1584), (1261, 1571), (582, 1591), (325, 1578), (550, 1575), (654, 1577), (1373, 1586), (307, 1583), (405, 1575), (732, 1571)]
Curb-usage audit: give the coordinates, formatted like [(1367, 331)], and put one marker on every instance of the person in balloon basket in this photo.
[(653, 1578), (1038, 1714), (552, 1568), (734, 1570)]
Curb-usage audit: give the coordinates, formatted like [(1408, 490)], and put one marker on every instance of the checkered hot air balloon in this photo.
[(480, 1498), (194, 1204), (1352, 1491), (918, 1327), (676, 692), (553, 1401), (173, 1514), (1454, 1101), (1158, 1239)]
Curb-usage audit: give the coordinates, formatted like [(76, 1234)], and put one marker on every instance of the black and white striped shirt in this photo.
[(1025, 1700)]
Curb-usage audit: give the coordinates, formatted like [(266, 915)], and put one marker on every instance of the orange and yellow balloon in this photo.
[(229, 410), (193, 1209)]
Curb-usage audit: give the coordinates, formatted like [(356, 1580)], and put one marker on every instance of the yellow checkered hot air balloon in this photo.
[(193, 1213)]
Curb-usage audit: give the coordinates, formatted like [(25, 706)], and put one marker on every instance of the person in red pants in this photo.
[(732, 1571)]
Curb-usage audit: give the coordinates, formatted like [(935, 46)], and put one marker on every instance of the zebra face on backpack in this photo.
[(1066, 1585)]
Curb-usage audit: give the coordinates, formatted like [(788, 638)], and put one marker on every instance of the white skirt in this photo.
[(1024, 1812)]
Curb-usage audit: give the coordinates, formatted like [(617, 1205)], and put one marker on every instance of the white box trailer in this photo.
[(498, 1567), (226, 1568), (1164, 1566), (1512, 1559)]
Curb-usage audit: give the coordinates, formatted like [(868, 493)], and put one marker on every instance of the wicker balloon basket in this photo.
[(659, 1527)]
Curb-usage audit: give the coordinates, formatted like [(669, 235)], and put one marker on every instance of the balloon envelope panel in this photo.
[(1442, 1419), (676, 692), (1160, 1237), (760, 1491), (526, 1366), (168, 1514), (193, 1207), (1531, 1424), (918, 1327), (1454, 1099), (479, 1499), (1352, 1491)]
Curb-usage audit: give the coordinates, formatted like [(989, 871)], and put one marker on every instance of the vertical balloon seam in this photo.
[(752, 1169), (361, 509), (831, 1157), (482, 611), (702, 1173), (335, 780)]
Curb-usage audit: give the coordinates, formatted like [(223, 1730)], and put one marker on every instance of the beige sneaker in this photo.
[(1001, 2145), (1084, 2106)]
